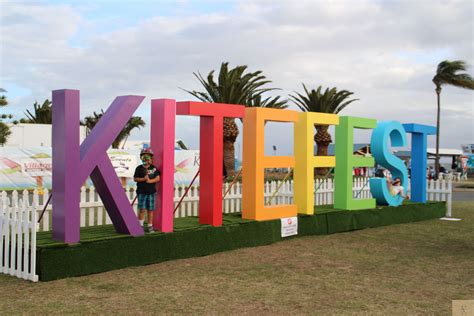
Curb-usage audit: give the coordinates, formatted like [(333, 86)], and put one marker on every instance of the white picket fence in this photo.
[(93, 212), (19, 213), (18, 239)]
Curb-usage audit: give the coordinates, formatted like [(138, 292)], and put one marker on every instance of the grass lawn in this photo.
[(415, 268), (469, 185)]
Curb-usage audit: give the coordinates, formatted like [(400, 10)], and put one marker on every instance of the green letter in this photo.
[(346, 161)]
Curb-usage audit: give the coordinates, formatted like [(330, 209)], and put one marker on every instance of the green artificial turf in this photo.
[(102, 249)]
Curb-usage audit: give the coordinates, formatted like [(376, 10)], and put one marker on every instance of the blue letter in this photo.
[(419, 134), (384, 132)]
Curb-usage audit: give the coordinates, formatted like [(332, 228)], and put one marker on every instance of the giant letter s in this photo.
[(394, 132)]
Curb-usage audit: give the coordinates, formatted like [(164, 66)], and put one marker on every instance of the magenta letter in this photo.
[(163, 115)]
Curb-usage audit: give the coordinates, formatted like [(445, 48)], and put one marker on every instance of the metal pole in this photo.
[(186, 192), (44, 209), (278, 188), (232, 183)]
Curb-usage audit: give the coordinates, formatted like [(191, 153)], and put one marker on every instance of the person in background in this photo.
[(432, 173), (146, 176), (396, 188)]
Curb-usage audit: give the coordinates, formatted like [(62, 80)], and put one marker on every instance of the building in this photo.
[(34, 135)]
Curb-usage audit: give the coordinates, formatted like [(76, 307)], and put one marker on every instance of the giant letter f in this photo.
[(73, 163)]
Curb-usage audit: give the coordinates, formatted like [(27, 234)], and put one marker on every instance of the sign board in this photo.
[(38, 167), (289, 226), (124, 163)]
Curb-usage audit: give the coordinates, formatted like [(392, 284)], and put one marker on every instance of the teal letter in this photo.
[(394, 132)]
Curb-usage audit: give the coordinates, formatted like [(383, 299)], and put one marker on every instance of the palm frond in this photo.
[(447, 74), (236, 86), (330, 101)]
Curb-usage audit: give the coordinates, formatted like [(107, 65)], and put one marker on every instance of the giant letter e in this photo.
[(74, 162)]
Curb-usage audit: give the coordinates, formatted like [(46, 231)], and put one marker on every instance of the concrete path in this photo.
[(463, 195)]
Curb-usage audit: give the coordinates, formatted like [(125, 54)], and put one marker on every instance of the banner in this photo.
[(470, 161), (186, 165), (30, 168), (468, 149)]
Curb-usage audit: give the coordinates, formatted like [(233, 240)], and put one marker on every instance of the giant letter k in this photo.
[(74, 162)]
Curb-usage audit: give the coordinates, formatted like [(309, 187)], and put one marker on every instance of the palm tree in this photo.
[(4, 129), (133, 122), (4, 133), (235, 86), (447, 74), (43, 114), (91, 120), (3, 99), (331, 101)]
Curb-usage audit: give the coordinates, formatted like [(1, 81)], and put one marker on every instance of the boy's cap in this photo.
[(146, 151)]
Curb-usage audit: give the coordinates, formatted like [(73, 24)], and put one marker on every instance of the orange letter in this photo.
[(255, 162)]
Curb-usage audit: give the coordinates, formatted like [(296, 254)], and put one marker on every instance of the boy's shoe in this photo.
[(150, 229)]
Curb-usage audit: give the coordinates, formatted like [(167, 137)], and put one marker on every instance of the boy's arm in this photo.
[(137, 176), (154, 180), (156, 177), (145, 179)]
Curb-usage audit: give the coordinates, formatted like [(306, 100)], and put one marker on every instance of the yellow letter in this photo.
[(305, 159)]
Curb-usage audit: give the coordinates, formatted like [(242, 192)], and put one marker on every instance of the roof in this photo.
[(403, 153), (445, 152)]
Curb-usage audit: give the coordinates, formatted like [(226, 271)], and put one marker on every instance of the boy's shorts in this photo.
[(146, 201)]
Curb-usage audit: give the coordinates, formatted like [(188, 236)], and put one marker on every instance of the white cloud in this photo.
[(386, 52)]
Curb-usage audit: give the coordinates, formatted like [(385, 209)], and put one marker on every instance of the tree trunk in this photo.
[(231, 132), (321, 151), (322, 139), (229, 157), (124, 142), (115, 144), (438, 93)]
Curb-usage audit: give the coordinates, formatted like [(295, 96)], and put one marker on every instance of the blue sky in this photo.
[(386, 52)]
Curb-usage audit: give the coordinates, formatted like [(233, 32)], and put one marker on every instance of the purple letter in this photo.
[(73, 163)]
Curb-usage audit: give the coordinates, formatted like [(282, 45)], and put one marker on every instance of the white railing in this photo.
[(19, 213), (18, 240)]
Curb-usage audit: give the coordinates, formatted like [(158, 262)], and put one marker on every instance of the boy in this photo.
[(146, 176)]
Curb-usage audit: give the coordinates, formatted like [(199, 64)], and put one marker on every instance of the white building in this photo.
[(34, 135)]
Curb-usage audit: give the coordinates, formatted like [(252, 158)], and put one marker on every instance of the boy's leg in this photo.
[(142, 208), (150, 210), (150, 216), (150, 220), (141, 216)]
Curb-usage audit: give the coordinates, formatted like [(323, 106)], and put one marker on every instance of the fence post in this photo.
[(2, 221), (449, 199), (32, 274)]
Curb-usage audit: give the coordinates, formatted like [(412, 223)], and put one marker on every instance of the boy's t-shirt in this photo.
[(143, 187)]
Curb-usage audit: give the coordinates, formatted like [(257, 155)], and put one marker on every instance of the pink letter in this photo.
[(163, 115)]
